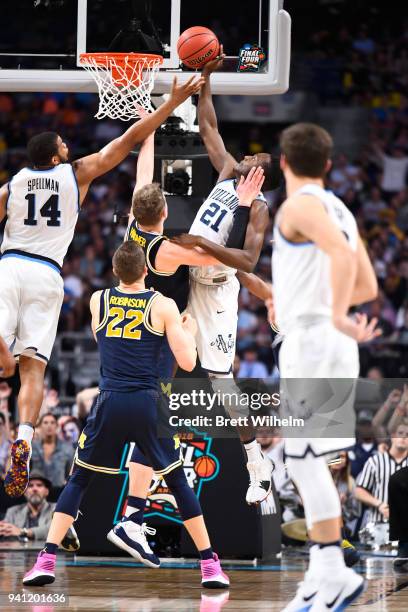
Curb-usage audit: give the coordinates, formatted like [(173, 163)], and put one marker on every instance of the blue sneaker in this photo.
[(130, 537)]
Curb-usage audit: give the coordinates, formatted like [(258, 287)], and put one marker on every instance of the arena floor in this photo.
[(118, 584)]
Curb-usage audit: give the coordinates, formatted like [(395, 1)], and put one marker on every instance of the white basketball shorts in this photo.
[(319, 367), (31, 295), (215, 308)]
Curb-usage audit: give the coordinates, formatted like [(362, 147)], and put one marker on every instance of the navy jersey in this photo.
[(174, 285), (128, 344)]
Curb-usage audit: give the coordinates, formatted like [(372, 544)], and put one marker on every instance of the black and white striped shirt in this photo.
[(375, 477)]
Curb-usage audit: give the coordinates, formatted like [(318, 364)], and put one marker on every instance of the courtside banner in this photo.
[(314, 408)]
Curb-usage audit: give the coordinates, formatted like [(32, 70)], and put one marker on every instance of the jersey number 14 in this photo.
[(49, 210)]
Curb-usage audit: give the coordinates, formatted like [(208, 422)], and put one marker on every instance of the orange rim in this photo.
[(126, 67)]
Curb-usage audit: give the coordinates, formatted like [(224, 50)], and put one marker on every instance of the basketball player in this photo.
[(319, 268), (213, 299), (42, 204), (129, 323)]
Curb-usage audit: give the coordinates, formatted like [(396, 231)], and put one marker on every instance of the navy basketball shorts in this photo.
[(118, 418)]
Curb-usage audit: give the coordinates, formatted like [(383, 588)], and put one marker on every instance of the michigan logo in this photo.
[(200, 466), (251, 57)]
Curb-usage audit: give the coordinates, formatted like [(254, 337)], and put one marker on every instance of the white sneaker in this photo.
[(336, 595), (305, 595), (130, 536), (260, 480)]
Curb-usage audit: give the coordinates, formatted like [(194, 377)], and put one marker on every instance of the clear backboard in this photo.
[(42, 40)]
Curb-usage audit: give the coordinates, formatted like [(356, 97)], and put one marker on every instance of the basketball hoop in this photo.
[(125, 82)]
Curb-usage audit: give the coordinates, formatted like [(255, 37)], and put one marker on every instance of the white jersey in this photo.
[(301, 271), (42, 211), (214, 221)]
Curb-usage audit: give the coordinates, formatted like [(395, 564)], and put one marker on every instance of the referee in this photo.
[(372, 483)]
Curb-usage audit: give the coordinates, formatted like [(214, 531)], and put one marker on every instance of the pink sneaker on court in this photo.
[(212, 576), (43, 571)]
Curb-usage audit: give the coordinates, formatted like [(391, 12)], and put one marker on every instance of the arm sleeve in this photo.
[(237, 234)]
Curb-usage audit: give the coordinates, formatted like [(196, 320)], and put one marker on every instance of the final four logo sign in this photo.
[(251, 57), (200, 466)]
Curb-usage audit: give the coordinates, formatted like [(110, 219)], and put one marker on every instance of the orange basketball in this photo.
[(204, 466), (197, 46)]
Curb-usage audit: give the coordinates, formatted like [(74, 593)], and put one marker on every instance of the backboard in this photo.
[(42, 40)]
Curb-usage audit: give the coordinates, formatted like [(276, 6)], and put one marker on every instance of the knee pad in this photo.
[(73, 492), (314, 482), (187, 502)]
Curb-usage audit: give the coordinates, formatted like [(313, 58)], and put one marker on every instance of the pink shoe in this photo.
[(212, 575), (43, 571)]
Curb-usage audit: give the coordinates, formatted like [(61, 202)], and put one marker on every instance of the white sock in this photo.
[(253, 451), (330, 561), (25, 432)]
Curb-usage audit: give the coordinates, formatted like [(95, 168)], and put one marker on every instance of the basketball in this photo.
[(204, 466), (197, 46)]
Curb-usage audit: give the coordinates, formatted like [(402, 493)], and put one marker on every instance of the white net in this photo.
[(125, 82)]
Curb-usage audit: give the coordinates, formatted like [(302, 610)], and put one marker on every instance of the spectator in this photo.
[(365, 446), (69, 430), (372, 483), (250, 366), (345, 484), (394, 168), (383, 414), (400, 414), (373, 207), (51, 456), (32, 519)]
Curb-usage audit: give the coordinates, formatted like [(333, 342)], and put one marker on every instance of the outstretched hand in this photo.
[(180, 93), (214, 64), (248, 188)]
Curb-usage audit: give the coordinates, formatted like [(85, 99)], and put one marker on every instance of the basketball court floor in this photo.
[(119, 584)]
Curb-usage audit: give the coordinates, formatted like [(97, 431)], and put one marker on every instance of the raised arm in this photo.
[(92, 166), (222, 161), (4, 193), (144, 167), (7, 361)]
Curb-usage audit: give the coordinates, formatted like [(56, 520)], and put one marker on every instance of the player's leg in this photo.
[(41, 295), (193, 520), (328, 582), (30, 398), (215, 308), (140, 471), (259, 466), (66, 511), (311, 361)]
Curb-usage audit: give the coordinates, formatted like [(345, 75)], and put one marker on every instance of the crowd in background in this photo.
[(352, 65)]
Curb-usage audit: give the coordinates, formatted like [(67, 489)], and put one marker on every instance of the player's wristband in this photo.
[(237, 234)]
